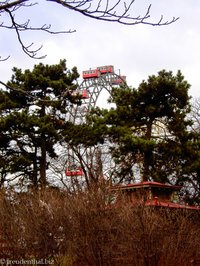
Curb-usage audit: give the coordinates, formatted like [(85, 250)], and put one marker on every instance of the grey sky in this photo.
[(138, 51)]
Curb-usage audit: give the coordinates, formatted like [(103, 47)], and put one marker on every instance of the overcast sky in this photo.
[(138, 51)]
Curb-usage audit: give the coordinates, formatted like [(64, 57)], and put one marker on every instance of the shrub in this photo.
[(82, 229)]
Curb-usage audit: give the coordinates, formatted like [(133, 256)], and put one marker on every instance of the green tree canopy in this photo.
[(33, 121), (148, 130)]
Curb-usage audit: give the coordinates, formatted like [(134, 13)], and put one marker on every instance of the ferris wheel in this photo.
[(95, 82)]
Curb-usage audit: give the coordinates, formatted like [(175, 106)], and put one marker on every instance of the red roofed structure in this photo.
[(153, 194)]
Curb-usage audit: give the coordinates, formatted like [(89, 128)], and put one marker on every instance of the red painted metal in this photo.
[(85, 94), (92, 73), (77, 172), (95, 73), (120, 80), (106, 69)]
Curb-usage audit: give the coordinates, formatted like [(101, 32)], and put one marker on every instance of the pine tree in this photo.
[(34, 119), (148, 130)]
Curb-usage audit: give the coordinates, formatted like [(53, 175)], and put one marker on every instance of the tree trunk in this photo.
[(147, 155), (35, 169), (43, 153), (43, 162)]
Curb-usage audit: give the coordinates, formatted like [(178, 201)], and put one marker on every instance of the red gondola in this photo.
[(106, 69), (77, 172), (119, 80), (95, 73), (81, 93), (92, 73)]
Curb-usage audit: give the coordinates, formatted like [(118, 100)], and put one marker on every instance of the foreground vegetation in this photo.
[(81, 229)]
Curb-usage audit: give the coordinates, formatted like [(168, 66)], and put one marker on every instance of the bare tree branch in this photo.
[(4, 59), (26, 49), (112, 11), (6, 4), (10, 9), (109, 12)]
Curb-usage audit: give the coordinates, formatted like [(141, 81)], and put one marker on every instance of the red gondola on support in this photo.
[(119, 80), (106, 69), (83, 94), (95, 73), (92, 73), (72, 172)]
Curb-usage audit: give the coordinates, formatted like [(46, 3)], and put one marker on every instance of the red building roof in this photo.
[(158, 203), (156, 199), (149, 184)]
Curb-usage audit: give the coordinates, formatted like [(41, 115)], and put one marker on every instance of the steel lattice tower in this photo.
[(92, 88)]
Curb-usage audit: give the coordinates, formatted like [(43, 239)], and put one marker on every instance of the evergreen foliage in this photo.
[(34, 119), (148, 129)]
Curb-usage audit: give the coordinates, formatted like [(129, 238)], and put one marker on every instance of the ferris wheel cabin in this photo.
[(119, 80), (92, 73), (95, 73), (74, 172), (106, 69)]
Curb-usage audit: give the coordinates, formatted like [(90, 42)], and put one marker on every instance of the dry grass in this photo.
[(80, 230)]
